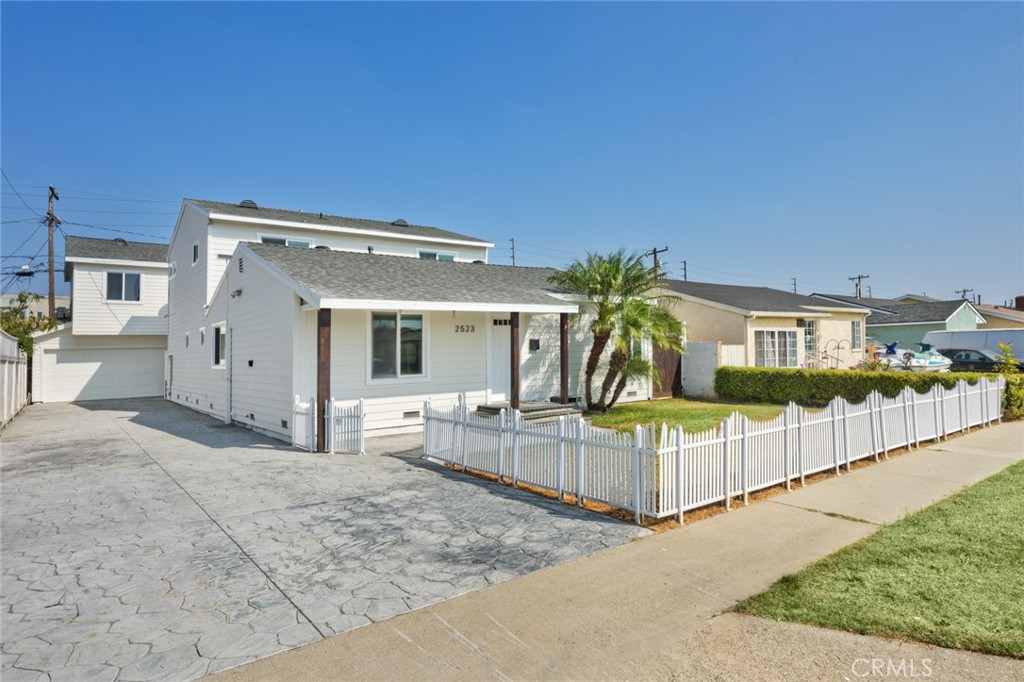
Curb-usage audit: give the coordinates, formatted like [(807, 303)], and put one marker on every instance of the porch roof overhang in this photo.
[(442, 306)]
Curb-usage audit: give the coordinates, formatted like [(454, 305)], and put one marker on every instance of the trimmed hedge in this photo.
[(816, 387)]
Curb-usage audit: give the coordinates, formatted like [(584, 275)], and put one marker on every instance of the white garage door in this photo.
[(99, 374)]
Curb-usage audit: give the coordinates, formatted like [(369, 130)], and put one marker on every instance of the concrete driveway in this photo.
[(143, 541)]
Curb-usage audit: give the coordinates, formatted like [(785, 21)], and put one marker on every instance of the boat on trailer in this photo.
[(927, 360)]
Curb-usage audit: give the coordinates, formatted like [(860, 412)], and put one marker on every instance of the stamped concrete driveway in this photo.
[(143, 541)]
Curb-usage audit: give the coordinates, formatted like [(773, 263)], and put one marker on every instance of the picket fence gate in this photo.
[(666, 473), (345, 425)]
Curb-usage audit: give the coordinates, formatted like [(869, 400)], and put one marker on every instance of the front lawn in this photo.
[(949, 575), (693, 415)]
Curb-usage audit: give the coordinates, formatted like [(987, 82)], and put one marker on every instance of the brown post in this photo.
[(514, 384), (563, 357), (323, 374)]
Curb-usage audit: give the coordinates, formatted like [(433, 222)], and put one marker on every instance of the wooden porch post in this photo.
[(514, 369), (563, 357), (323, 373)]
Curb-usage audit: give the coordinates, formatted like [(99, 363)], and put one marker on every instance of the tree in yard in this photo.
[(617, 292), (17, 321)]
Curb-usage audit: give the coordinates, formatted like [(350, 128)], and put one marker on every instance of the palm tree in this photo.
[(646, 317), (607, 283)]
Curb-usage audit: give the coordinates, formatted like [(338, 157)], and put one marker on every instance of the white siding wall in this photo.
[(261, 323), (194, 383), (540, 369), (94, 314)]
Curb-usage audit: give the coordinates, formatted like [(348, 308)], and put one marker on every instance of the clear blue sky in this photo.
[(759, 141)]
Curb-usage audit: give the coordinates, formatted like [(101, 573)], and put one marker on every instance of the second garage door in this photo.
[(100, 373)]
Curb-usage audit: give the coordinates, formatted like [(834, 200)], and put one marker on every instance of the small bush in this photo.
[(817, 387)]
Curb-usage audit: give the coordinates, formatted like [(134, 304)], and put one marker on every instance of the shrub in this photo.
[(816, 387)]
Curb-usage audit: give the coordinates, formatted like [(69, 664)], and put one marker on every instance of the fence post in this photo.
[(312, 424), (362, 426), (502, 428), (561, 458), (456, 412), (881, 420), (846, 433), (834, 413), (638, 473), (983, 393), (961, 402), (1000, 387), (726, 464), (516, 424), (427, 426), (744, 462), (785, 446), (914, 419), (464, 419), (906, 416), (329, 425), (679, 472), (936, 408), (800, 444), (579, 462)]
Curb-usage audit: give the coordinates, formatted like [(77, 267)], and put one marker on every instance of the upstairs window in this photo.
[(124, 286), (436, 255), (287, 241)]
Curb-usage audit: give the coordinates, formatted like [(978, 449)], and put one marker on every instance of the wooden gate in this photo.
[(667, 366)]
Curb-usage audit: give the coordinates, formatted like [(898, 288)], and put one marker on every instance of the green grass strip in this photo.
[(692, 414), (951, 574)]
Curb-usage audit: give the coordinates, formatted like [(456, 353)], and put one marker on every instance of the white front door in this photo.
[(499, 374)]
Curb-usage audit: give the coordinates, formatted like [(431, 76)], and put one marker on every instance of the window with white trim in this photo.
[(810, 339), (775, 348), (857, 332), (287, 241), (219, 345), (436, 255), (124, 286), (397, 345)]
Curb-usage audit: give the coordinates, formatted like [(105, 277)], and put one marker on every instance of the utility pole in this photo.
[(858, 279), (684, 271), (513, 251), (963, 292), (794, 284), (654, 252), (51, 222)]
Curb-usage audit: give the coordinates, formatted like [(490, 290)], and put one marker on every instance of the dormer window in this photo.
[(286, 241), (124, 286)]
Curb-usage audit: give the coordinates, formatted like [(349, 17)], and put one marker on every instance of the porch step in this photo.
[(532, 412)]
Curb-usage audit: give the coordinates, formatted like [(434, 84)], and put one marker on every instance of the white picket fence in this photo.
[(667, 474), (13, 378), (345, 422)]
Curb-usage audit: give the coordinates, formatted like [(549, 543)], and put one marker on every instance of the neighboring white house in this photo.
[(267, 304), (114, 345)]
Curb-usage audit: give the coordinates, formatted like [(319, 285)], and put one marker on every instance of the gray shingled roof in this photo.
[(911, 313), (753, 298), (363, 276), (111, 249), (864, 302), (322, 219)]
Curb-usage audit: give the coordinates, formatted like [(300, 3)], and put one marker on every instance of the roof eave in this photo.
[(444, 306)]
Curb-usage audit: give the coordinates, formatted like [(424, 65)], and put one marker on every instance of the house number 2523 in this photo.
[(465, 328)]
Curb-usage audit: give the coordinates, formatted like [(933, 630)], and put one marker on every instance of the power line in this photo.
[(80, 198), (11, 255), (17, 193), (111, 229)]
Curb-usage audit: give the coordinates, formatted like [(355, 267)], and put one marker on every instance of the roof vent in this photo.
[(121, 241), (478, 262), (400, 223), (247, 203), (322, 247)]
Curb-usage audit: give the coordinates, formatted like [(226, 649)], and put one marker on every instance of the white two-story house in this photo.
[(115, 343), (268, 304)]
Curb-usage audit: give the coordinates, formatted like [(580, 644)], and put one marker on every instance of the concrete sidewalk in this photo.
[(655, 608)]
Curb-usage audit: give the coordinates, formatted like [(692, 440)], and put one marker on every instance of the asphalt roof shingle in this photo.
[(114, 249), (911, 313), (322, 220), (753, 298), (863, 301), (363, 276)]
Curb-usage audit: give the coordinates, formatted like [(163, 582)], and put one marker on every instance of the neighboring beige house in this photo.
[(40, 307), (775, 328), (114, 346), (1001, 317)]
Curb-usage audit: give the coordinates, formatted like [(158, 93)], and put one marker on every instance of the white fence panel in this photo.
[(346, 427), (13, 378), (304, 424), (680, 471)]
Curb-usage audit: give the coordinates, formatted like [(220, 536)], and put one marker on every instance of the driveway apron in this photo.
[(144, 541)]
